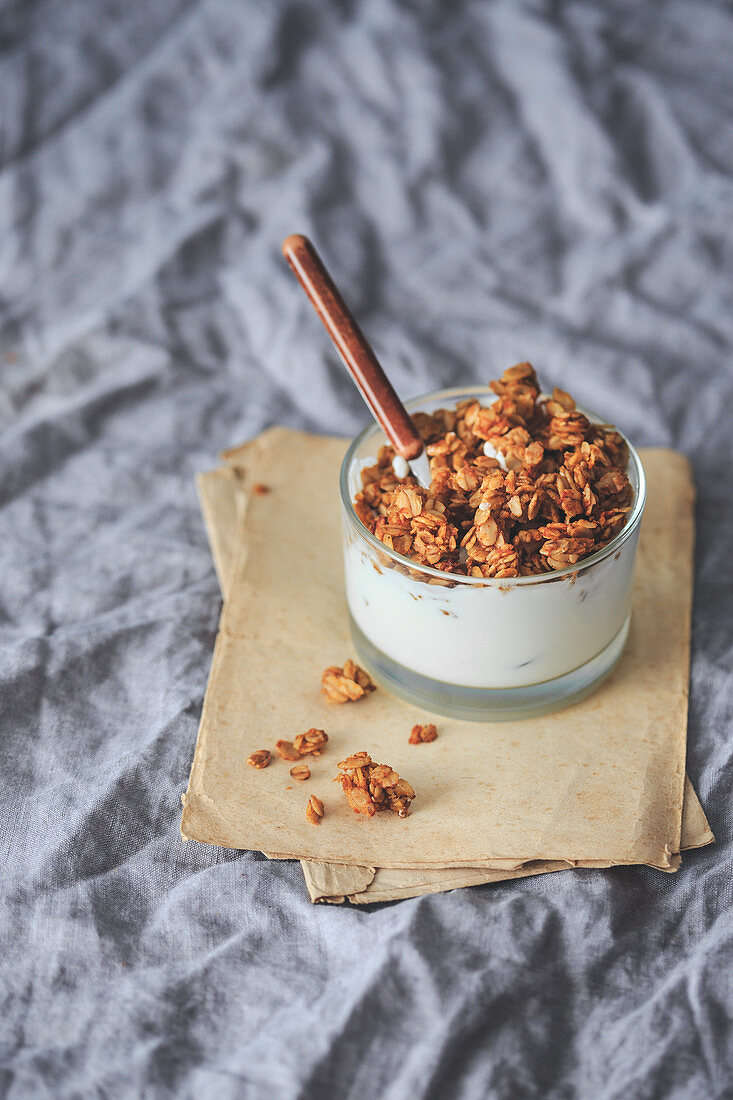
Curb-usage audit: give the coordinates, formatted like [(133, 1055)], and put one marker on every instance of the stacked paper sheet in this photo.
[(599, 784)]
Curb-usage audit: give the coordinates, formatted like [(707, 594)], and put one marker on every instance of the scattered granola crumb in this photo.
[(371, 787), (287, 750), (347, 684), (312, 742), (260, 759), (314, 810), (523, 486), (423, 733), (260, 490), (300, 772)]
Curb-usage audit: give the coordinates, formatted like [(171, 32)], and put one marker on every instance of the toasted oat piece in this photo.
[(422, 733), (383, 775), (260, 759), (360, 801), (261, 490), (313, 742), (314, 810), (301, 772), (287, 750), (357, 760), (347, 684), (372, 787)]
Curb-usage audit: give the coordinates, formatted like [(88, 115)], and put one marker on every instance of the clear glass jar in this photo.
[(477, 648)]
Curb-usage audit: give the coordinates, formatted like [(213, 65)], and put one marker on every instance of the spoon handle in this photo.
[(353, 346)]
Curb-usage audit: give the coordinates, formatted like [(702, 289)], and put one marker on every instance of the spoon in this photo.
[(358, 356)]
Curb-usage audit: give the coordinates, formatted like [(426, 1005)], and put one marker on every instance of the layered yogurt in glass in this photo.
[(485, 647)]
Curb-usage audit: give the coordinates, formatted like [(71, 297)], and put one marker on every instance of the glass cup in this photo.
[(484, 649)]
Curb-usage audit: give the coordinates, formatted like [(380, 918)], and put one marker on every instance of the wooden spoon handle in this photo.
[(353, 346)]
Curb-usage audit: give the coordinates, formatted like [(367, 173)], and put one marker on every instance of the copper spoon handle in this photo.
[(353, 346)]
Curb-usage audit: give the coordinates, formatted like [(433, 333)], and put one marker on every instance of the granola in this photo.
[(372, 787), (311, 743), (423, 733), (301, 772), (347, 684), (287, 750), (314, 810), (259, 759), (523, 486)]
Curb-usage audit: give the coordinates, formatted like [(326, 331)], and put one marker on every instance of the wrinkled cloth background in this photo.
[(489, 182)]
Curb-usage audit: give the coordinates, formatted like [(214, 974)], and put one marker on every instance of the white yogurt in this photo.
[(491, 452), (400, 466)]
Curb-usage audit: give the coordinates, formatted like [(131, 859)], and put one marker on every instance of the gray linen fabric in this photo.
[(490, 182)]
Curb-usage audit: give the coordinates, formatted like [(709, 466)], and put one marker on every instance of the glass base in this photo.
[(488, 704)]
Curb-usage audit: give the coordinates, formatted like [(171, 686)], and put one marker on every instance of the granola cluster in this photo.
[(371, 787), (422, 734), (311, 743), (347, 684), (523, 486)]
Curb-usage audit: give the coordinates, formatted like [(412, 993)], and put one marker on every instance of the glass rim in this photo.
[(456, 394)]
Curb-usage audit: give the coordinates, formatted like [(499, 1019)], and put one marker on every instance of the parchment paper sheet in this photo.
[(511, 792), (335, 883), (224, 494)]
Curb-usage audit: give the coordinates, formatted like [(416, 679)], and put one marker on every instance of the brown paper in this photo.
[(367, 885), (223, 497), (224, 494), (336, 883), (528, 789)]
